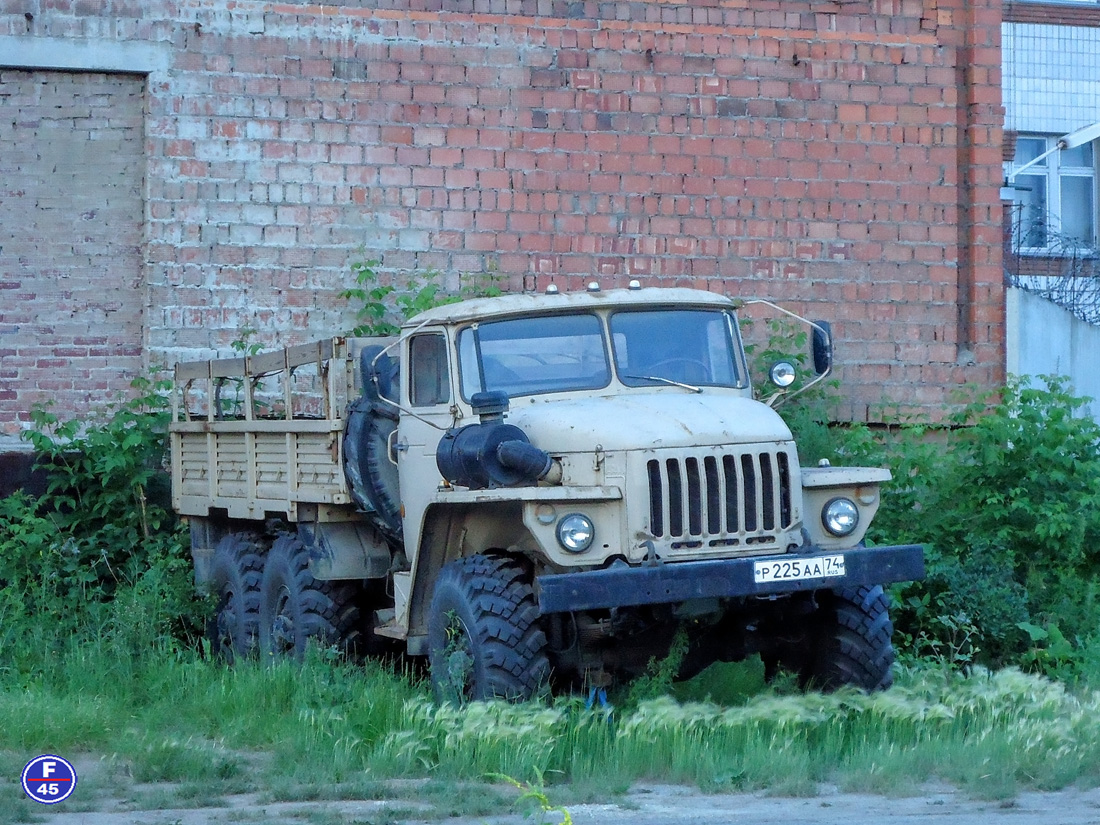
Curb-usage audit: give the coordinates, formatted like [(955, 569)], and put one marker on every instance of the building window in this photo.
[(1055, 199)]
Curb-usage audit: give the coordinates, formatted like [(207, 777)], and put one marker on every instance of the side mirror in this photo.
[(822, 347)]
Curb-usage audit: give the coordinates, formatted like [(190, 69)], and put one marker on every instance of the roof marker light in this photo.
[(594, 286)]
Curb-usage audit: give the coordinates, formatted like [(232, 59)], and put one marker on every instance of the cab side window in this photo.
[(429, 379)]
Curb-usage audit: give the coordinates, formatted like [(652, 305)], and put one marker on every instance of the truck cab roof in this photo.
[(480, 309)]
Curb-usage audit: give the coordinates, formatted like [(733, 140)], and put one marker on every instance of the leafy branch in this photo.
[(380, 308)]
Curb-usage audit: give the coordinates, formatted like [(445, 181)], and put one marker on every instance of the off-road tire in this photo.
[(854, 644), (297, 609), (484, 638), (235, 572)]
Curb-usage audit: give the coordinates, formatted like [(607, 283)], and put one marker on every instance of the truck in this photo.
[(537, 491)]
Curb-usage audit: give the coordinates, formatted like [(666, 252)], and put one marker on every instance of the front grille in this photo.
[(722, 500)]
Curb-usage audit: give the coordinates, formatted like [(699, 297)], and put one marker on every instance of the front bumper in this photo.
[(622, 586)]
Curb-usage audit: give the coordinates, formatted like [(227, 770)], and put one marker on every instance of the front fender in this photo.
[(822, 484)]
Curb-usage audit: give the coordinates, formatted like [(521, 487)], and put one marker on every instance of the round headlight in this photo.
[(840, 516), (782, 374), (575, 533)]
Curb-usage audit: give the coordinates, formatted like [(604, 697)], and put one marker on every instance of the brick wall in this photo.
[(71, 271), (843, 156)]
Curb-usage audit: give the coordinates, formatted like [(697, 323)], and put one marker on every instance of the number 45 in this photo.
[(50, 789)]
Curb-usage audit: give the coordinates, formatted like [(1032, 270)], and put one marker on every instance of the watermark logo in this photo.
[(49, 779)]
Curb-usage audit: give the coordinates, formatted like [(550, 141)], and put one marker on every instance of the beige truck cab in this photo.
[(531, 490)]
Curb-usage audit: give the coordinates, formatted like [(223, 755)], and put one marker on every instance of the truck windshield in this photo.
[(694, 347), (522, 356)]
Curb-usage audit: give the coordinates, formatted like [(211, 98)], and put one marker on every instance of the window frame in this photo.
[(1052, 171), (442, 380), (732, 341), (467, 376)]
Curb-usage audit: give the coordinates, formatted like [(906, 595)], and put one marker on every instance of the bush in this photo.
[(1006, 499), (100, 551)]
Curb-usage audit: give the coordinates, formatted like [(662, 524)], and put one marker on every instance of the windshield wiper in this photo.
[(664, 381)]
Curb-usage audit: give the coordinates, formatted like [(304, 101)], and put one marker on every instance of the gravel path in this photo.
[(652, 805)]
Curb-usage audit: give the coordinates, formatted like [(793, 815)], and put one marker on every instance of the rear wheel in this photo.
[(484, 638), (235, 582), (854, 645), (296, 608)]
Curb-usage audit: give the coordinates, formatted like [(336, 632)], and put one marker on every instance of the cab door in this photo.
[(428, 412)]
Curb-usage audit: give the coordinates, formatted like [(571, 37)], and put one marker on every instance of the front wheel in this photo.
[(854, 644), (484, 637)]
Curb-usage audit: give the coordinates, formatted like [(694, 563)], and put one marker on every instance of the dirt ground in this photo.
[(645, 804)]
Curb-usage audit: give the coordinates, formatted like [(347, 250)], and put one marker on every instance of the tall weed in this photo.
[(100, 552), (964, 729)]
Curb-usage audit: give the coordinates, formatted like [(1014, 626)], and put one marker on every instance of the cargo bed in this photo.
[(276, 444)]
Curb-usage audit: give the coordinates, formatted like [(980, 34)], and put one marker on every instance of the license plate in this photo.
[(789, 570)]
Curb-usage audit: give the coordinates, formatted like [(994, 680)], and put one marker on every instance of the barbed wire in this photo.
[(1063, 269)]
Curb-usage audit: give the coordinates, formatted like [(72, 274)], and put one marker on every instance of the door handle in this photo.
[(394, 447)]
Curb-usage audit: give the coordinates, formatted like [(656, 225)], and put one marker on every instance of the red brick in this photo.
[(730, 161)]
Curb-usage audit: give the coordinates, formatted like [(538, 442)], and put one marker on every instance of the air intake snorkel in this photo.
[(490, 453)]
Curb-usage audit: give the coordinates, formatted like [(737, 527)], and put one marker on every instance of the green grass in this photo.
[(724, 684), (328, 731), (19, 810)]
